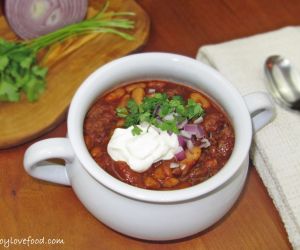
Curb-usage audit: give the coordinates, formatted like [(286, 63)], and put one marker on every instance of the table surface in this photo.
[(34, 209)]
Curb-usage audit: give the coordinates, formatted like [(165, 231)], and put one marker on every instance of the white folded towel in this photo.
[(276, 148)]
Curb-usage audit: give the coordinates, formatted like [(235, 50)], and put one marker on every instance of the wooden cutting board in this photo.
[(23, 121)]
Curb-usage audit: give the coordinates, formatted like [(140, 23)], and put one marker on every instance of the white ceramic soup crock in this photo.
[(140, 213)]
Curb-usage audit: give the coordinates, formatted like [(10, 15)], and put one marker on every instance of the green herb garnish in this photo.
[(19, 69), (159, 110)]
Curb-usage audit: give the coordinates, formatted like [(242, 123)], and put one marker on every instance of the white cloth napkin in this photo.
[(276, 148)]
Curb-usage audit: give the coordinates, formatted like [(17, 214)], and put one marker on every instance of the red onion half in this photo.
[(33, 18)]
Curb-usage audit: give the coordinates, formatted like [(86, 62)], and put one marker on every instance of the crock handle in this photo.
[(36, 156), (261, 109)]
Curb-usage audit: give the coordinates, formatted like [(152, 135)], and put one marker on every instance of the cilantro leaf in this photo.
[(193, 109), (136, 130), (3, 62), (121, 112), (8, 91), (170, 126)]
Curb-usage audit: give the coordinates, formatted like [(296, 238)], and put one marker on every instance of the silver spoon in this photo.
[(284, 81)]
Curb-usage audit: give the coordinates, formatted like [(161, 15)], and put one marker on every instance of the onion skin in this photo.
[(33, 18)]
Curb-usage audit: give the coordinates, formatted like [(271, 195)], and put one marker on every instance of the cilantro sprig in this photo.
[(19, 72), (159, 110)]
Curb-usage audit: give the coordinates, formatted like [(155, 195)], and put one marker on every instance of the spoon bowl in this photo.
[(284, 81)]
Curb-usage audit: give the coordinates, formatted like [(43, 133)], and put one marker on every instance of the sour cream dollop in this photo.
[(141, 151)]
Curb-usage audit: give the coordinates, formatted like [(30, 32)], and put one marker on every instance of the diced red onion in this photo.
[(185, 134), (151, 91), (180, 154), (201, 132), (182, 124), (174, 165), (181, 141), (205, 143), (194, 129), (156, 110), (169, 117), (199, 120), (159, 121), (189, 144), (33, 18)]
